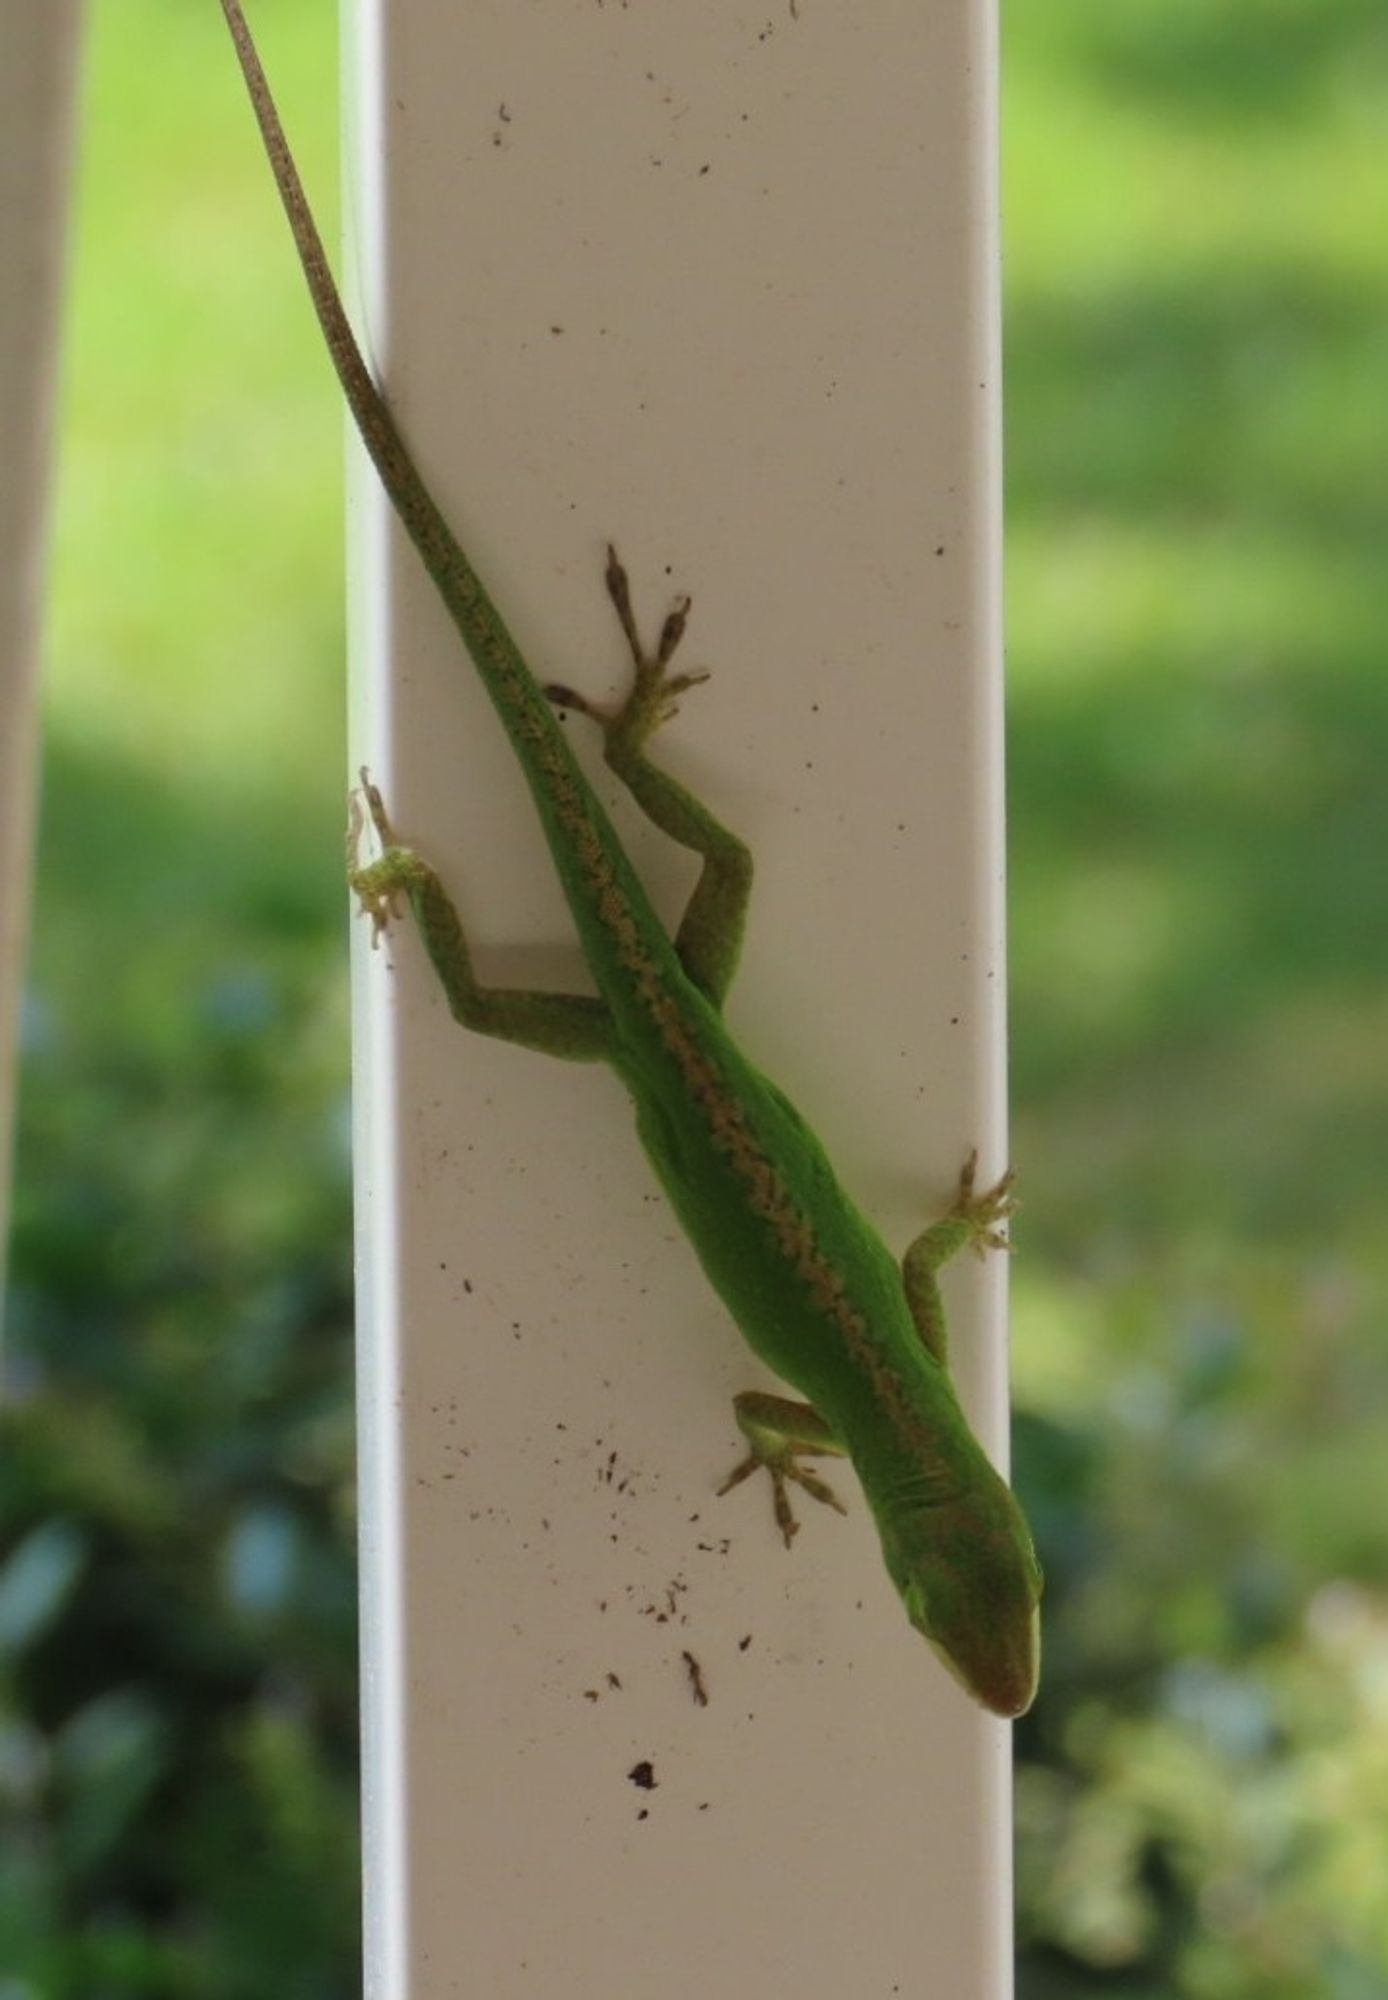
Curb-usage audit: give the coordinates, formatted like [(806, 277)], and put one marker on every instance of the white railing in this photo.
[(721, 284)]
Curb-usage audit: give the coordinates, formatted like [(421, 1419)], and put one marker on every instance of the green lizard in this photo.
[(811, 1285)]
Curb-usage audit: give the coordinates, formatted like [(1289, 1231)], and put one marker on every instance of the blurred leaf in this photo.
[(35, 1580)]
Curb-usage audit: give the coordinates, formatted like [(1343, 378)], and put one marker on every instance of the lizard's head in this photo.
[(970, 1581)]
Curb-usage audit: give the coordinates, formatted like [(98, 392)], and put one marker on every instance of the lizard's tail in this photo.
[(509, 681)]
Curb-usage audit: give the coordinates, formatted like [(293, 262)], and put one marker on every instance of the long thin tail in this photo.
[(483, 630)]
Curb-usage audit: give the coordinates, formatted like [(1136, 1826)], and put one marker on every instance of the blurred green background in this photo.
[(1197, 215)]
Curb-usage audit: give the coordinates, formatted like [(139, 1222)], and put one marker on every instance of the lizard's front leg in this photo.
[(780, 1434), (974, 1220)]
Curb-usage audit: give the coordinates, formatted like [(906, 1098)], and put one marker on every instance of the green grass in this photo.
[(196, 625)]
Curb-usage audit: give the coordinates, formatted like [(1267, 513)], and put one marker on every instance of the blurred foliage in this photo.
[(1198, 342), (178, 1811)]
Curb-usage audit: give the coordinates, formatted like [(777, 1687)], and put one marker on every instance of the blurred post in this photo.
[(36, 95)]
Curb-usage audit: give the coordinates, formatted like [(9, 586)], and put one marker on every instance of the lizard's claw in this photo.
[(654, 695), (985, 1213), (780, 1435), (374, 884), (781, 1469)]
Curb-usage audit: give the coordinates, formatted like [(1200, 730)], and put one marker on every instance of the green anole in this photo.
[(811, 1285)]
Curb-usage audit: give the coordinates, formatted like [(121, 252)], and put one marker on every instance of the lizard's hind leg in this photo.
[(709, 937), (573, 1025)]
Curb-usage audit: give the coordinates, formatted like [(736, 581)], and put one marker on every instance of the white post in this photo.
[(36, 77), (718, 282)]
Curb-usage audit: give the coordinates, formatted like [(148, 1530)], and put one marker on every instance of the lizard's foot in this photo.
[(781, 1433), (782, 1468), (984, 1214), (654, 694), (375, 884), (973, 1220)]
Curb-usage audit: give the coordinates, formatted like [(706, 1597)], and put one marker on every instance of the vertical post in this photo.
[(36, 89), (717, 283)]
